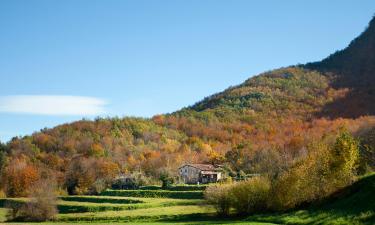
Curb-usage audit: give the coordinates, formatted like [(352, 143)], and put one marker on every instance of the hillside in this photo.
[(260, 126), (349, 74), (352, 69)]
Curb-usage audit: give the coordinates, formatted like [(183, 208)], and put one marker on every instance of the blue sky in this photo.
[(64, 60)]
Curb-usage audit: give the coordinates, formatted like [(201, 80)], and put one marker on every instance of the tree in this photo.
[(367, 151), (41, 207), (90, 175), (238, 157), (345, 156), (166, 179), (18, 178), (3, 155)]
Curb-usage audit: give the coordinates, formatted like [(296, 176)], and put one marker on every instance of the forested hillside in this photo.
[(263, 125)]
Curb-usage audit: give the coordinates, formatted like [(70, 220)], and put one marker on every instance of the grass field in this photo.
[(354, 205)]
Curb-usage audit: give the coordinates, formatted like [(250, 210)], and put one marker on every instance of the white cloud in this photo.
[(52, 105)]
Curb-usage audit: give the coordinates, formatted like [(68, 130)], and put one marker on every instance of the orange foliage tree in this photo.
[(18, 177)]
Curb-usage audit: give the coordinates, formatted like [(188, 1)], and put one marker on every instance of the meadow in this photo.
[(353, 205)]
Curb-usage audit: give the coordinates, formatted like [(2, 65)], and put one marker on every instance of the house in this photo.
[(200, 173)]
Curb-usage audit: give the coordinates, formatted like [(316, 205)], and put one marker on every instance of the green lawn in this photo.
[(354, 205), (155, 194)]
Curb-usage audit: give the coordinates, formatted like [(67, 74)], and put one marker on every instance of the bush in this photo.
[(246, 197), (327, 169), (124, 183), (133, 181), (250, 196), (166, 180), (42, 207), (219, 196)]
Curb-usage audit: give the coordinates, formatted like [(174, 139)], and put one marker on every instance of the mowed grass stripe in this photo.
[(148, 214), (155, 194), (97, 199), (177, 188), (95, 206)]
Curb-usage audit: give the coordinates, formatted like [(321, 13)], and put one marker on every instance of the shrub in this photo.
[(132, 181), (166, 180), (219, 196), (99, 186), (325, 170), (250, 196), (42, 207), (124, 183)]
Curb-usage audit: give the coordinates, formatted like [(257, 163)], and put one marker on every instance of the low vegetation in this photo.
[(42, 205), (325, 170), (351, 205)]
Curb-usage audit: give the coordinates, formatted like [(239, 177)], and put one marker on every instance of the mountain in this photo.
[(353, 69), (354, 66), (262, 125), (349, 73)]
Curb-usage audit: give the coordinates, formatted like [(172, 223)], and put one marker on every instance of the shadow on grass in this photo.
[(100, 200)]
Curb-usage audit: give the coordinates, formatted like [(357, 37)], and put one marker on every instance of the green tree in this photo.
[(3, 150), (166, 179), (238, 157), (345, 158)]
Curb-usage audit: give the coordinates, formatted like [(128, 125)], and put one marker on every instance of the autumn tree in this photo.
[(327, 168), (90, 175), (367, 151), (42, 205), (238, 157), (345, 158), (18, 178), (3, 155)]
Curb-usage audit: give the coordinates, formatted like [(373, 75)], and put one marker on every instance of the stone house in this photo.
[(200, 173)]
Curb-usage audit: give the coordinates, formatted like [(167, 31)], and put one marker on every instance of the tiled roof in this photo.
[(203, 167)]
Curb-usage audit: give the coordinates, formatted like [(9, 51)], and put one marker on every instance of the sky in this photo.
[(62, 61)]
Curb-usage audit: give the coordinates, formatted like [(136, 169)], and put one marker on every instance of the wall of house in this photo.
[(189, 174), (219, 176)]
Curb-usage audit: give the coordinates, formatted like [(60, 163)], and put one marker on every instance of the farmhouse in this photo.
[(200, 173)]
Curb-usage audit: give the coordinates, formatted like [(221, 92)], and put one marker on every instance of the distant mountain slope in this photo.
[(291, 90), (347, 76), (354, 66)]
